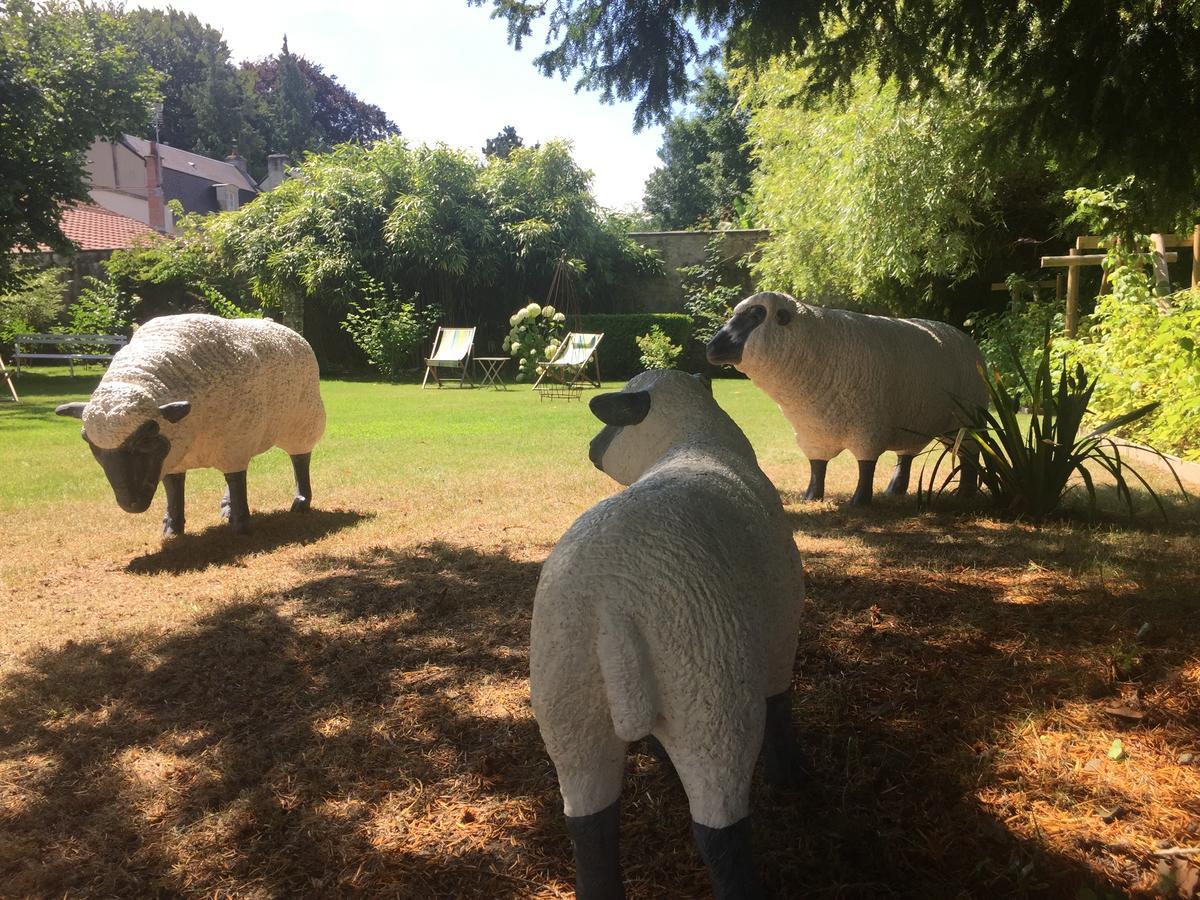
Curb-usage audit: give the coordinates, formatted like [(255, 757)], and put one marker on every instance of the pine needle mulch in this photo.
[(362, 727)]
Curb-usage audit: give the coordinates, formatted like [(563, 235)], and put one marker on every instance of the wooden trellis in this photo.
[(1077, 257)]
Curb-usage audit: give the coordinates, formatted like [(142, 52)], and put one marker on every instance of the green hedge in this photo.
[(619, 353)]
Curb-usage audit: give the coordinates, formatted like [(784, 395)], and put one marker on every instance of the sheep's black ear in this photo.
[(784, 315), (174, 412), (704, 380), (74, 410), (622, 408)]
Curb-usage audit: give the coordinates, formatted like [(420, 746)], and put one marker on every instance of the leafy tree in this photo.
[(1090, 81), (475, 238), (877, 199), (65, 76), (503, 143), (293, 130), (706, 165), (338, 113)]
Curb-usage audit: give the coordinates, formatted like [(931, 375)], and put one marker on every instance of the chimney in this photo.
[(275, 172), (238, 160), (156, 207)]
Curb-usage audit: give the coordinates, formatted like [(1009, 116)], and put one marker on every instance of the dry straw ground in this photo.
[(338, 706)]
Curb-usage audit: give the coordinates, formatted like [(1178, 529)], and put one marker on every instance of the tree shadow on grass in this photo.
[(217, 545), (367, 732)]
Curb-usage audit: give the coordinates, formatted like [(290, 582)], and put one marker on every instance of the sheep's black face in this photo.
[(135, 468), (726, 345), (616, 411)]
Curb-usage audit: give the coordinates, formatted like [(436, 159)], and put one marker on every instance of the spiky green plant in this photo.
[(1027, 469)]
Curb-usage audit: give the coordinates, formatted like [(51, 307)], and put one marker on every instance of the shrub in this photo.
[(657, 350), (390, 330), (1144, 354), (712, 288), (34, 304), (620, 356), (101, 308), (535, 332), (1016, 335)]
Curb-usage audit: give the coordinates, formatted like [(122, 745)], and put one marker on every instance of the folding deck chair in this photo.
[(570, 363), (451, 350), (7, 378)]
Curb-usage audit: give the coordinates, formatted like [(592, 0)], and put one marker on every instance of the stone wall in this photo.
[(686, 248)]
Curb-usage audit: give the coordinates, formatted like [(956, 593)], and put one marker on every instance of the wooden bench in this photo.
[(71, 347)]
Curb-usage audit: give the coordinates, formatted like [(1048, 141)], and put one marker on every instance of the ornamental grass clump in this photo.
[(533, 338), (1027, 468)]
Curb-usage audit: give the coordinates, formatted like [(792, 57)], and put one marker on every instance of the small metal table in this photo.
[(490, 371)]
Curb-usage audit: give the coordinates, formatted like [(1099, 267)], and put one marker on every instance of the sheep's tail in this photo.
[(629, 681)]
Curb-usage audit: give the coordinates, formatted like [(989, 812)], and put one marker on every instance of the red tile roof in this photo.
[(95, 228)]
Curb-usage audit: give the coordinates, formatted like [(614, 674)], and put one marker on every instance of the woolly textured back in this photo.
[(184, 357)]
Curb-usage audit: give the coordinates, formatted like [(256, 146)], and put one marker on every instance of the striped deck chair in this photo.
[(570, 361), (451, 350)]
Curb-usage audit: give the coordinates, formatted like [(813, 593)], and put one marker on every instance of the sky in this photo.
[(442, 71)]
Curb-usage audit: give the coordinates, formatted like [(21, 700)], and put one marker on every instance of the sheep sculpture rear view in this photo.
[(670, 609), (198, 391), (849, 381)]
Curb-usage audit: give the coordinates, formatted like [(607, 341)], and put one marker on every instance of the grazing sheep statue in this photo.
[(670, 609), (851, 381), (195, 391)]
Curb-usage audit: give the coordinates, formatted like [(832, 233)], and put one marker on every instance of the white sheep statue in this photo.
[(197, 391), (669, 610), (849, 381)]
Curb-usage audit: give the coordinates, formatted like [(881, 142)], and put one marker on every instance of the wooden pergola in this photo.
[(1164, 246)]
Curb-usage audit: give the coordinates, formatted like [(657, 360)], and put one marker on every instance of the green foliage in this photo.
[(476, 238), (712, 288), (706, 165), (33, 304), (657, 350), (390, 330), (620, 356), (534, 335), (1145, 353), (291, 109), (1014, 339), (66, 76), (505, 142), (871, 194), (1026, 468), (101, 308), (1083, 80)]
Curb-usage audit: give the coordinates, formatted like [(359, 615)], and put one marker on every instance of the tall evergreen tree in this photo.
[(706, 167), (293, 130), (504, 143)]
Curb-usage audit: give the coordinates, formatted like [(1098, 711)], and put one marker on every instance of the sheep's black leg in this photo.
[(816, 479), (303, 487), (866, 483), (173, 524), (968, 476), (727, 853), (898, 486), (597, 854), (235, 507), (780, 757)]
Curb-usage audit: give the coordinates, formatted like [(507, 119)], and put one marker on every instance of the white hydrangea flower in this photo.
[(515, 348), (533, 310), (515, 318), (560, 317), (548, 311)]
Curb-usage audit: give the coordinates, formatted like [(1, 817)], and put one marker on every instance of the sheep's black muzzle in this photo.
[(135, 468), (726, 346)]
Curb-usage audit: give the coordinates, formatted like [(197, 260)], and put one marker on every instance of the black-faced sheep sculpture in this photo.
[(849, 381), (197, 391), (670, 609)]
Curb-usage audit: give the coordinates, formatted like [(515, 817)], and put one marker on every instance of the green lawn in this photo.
[(337, 703)]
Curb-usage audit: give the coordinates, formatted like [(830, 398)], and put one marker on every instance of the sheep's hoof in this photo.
[(858, 500), (171, 529), (301, 504), (813, 496), (239, 525)]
